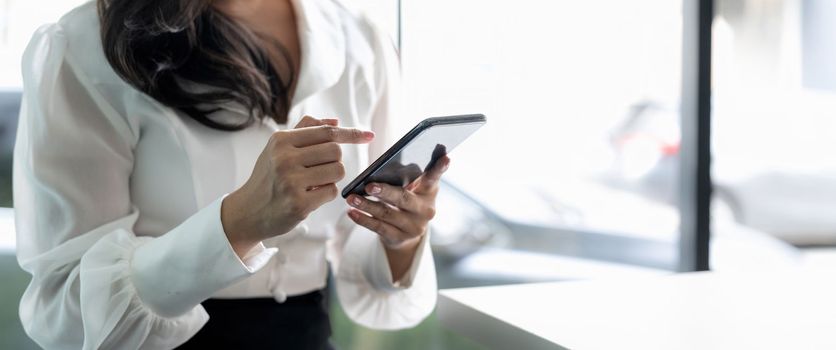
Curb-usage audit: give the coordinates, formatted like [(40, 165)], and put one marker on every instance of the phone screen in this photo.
[(418, 155)]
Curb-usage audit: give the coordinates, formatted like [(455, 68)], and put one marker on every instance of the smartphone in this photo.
[(417, 151)]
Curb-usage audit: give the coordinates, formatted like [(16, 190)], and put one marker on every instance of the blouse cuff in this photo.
[(254, 259), (178, 270), (381, 272), (367, 293)]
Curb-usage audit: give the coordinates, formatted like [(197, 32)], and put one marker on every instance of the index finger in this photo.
[(304, 137), (308, 121)]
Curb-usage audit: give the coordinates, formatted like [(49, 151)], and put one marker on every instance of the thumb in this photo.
[(428, 182)]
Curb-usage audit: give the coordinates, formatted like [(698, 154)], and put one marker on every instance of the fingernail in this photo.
[(374, 189), (445, 166), (352, 214), (355, 201), (368, 135)]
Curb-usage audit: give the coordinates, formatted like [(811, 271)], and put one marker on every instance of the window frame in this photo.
[(695, 153)]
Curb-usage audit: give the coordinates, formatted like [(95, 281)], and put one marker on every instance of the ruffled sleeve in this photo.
[(365, 287), (366, 290), (95, 284)]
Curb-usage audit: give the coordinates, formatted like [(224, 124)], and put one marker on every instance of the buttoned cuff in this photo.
[(178, 270)]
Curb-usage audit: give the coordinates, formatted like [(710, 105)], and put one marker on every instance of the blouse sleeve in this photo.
[(365, 287), (95, 284)]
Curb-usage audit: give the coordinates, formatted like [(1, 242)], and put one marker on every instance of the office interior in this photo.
[(629, 142)]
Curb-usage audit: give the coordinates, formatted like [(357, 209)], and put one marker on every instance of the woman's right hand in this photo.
[(295, 174)]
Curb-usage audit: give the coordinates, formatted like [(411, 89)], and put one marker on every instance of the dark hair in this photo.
[(188, 55)]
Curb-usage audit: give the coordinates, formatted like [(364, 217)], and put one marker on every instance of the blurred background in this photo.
[(577, 174)]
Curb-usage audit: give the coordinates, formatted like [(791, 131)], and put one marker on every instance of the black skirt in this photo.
[(301, 322)]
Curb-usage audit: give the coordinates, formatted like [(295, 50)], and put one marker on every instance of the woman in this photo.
[(162, 200)]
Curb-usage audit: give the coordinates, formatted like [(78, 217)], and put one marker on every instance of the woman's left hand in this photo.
[(400, 216)]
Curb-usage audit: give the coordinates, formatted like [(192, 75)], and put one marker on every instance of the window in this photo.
[(579, 159), (774, 104), (18, 20)]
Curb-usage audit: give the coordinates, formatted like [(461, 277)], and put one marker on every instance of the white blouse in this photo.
[(117, 197)]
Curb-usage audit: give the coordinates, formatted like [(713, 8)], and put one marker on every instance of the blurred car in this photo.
[(793, 201)]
